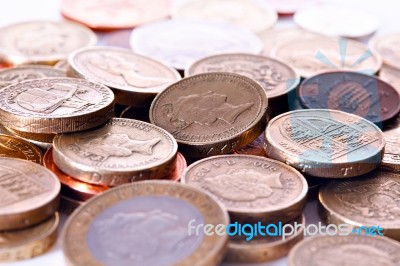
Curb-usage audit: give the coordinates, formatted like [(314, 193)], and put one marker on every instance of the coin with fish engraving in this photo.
[(388, 47), (134, 79), (180, 42), (29, 193), (371, 200), (351, 92), (211, 113), (345, 250), (55, 105), (14, 147), (18, 74), (122, 151), (30, 242), (42, 42), (325, 143), (252, 188), (146, 223)]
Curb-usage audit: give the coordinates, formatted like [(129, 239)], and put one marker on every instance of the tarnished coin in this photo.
[(345, 250), (179, 43), (55, 105), (14, 147), (313, 56), (264, 248), (28, 193), (253, 15), (135, 79), (255, 148), (372, 200), (71, 187), (179, 168), (325, 143), (252, 188), (390, 75), (391, 157), (146, 223), (18, 74), (114, 14), (122, 151), (30, 242), (211, 114), (351, 92), (42, 42), (388, 47)]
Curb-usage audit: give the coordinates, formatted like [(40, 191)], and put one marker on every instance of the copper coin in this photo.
[(252, 188), (345, 250), (134, 79), (114, 14), (55, 105), (29, 193), (255, 148), (325, 143), (351, 92), (211, 114), (122, 151), (388, 47), (18, 74), (180, 167), (71, 187), (145, 223), (371, 200), (14, 147), (42, 42), (27, 243)]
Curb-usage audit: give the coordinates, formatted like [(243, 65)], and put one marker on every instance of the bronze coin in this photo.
[(29, 193), (180, 167), (211, 114), (351, 92), (14, 147), (325, 143)]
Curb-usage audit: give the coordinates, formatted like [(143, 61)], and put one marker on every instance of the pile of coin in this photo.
[(266, 118)]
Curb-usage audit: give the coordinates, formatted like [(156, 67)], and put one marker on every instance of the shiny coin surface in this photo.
[(135, 79), (252, 188), (145, 223), (345, 250), (13, 75), (390, 75), (43, 42), (29, 193), (313, 56), (351, 92), (55, 105), (325, 143), (264, 248), (254, 15), (114, 14), (388, 47), (371, 200), (30, 242), (255, 148), (211, 114), (180, 167), (14, 147), (71, 187), (122, 151), (179, 43)]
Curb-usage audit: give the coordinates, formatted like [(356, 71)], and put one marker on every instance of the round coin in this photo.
[(146, 223), (29, 193), (114, 14), (212, 113), (120, 152), (42, 42), (30, 242), (345, 250), (351, 92), (313, 56), (369, 201), (14, 75), (388, 47), (135, 79), (253, 15), (179, 43), (325, 143), (14, 147), (55, 105), (252, 188)]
